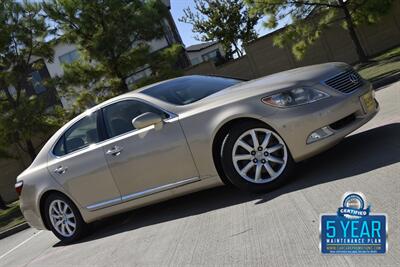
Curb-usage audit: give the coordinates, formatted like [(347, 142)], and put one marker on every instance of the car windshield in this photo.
[(189, 89)]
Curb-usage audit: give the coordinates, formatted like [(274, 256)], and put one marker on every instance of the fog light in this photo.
[(319, 134)]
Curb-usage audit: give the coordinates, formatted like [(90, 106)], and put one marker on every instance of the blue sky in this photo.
[(185, 30)]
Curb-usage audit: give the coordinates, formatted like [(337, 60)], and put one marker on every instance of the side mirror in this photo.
[(146, 119)]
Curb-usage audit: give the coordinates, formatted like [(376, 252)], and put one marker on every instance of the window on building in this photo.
[(37, 83), (69, 57), (210, 55), (169, 34), (137, 76), (195, 61)]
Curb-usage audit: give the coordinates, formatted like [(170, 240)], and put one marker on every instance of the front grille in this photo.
[(345, 82)]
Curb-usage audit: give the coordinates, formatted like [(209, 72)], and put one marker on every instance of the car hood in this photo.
[(304, 76)]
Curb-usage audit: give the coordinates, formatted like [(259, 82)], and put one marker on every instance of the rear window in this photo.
[(189, 89), (82, 134)]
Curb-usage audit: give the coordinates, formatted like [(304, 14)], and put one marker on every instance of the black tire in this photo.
[(81, 226), (232, 174)]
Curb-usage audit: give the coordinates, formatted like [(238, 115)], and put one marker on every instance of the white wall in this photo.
[(158, 44), (55, 68)]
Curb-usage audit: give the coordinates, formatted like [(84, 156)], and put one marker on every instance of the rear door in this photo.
[(78, 164)]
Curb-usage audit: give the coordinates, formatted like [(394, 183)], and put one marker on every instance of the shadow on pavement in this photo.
[(356, 154), (384, 79)]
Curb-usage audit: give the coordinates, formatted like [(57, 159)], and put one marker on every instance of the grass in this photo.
[(11, 216), (384, 65)]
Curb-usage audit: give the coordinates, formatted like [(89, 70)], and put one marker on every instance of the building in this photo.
[(199, 53), (67, 53)]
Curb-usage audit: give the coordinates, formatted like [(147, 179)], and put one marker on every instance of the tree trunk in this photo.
[(3, 205), (237, 50), (362, 57), (124, 86), (31, 149)]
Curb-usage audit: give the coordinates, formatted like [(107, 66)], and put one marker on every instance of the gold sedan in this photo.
[(187, 134)]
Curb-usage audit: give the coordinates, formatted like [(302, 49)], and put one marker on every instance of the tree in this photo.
[(3, 205), (23, 115), (309, 18), (112, 38), (225, 21)]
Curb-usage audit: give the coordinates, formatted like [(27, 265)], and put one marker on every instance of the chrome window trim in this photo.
[(144, 193), (170, 114), (172, 117)]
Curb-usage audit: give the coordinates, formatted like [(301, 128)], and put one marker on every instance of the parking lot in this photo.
[(224, 226)]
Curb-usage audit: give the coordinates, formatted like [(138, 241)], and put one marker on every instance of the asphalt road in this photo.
[(224, 226)]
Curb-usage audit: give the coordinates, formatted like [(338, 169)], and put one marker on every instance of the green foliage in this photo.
[(112, 38), (23, 33), (225, 21), (308, 19), (163, 65), (369, 11)]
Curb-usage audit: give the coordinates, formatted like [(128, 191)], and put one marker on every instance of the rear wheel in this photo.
[(255, 158), (64, 218)]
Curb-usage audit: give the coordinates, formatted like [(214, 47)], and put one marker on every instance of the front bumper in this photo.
[(345, 113)]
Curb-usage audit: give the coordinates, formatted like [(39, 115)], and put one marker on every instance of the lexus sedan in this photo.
[(187, 134)]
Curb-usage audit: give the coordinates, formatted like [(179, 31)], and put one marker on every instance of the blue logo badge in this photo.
[(353, 229)]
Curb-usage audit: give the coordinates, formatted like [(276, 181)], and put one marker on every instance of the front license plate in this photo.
[(368, 102)]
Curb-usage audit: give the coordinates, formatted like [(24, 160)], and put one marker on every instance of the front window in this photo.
[(189, 89), (118, 117)]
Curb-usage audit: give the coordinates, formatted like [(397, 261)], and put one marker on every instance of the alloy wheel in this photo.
[(62, 218), (259, 155)]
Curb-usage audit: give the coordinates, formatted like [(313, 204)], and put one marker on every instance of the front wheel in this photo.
[(64, 218), (255, 158)]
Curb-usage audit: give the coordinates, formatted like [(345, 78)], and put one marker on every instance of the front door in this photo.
[(149, 160)]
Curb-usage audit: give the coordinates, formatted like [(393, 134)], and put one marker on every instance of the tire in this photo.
[(255, 169), (74, 226)]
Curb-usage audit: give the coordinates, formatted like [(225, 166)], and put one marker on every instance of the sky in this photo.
[(185, 30)]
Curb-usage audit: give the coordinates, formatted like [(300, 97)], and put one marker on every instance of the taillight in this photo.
[(18, 187)]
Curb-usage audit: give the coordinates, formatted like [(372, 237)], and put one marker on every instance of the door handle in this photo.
[(61, 170), (114, 151)]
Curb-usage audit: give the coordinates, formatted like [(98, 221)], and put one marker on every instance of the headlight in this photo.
[(294, 97)]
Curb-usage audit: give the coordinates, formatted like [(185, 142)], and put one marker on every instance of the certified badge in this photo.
[(353, 229)]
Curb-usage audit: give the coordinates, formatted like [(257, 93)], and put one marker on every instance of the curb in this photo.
[(14, 230), (386, 81)]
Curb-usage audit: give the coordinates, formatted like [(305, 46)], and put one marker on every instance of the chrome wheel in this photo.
[(62, 218), (259, 155)]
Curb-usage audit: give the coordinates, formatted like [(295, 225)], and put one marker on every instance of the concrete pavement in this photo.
[(226, 227)]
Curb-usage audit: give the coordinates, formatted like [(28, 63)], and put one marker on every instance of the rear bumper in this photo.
[(342, 114), (32, 216)]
